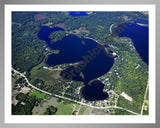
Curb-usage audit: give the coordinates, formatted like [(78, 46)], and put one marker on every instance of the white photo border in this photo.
[(80, 119)]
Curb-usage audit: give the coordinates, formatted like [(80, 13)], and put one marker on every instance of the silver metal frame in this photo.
[(4, 2)]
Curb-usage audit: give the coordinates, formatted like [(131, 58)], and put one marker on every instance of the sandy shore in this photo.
[(145, 25)]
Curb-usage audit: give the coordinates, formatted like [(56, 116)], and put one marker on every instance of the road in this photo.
[(110, 29), (81, 103), (52, 69), (144, 98), (31, 84)]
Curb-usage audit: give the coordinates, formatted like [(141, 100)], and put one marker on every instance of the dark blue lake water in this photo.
[(77, 13), (142, 21), (46, 31), (74, 49), (139, 35), (94, 91)]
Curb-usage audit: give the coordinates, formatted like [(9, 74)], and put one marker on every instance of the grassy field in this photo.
[(98, 112), (46, 75), (13, 82), (38, 94), (87, 111), (41, 108), (84, 110), (121, 112), (45, 79), (133, 106), (64, 108)]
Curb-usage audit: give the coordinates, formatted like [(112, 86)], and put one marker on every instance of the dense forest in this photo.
[(28, 50)]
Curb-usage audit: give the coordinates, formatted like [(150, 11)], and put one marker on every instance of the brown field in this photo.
[(25, 90), (41, 108), (98, 112), (50, 76), (13, 82)]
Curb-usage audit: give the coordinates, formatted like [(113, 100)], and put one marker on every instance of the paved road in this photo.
[(30, 83), (69, 98)]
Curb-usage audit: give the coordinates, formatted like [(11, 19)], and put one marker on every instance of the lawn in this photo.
[(38, 94)]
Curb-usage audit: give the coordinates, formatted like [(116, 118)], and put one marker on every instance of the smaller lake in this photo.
[(94, 91), (138, 32), (46, 31), (77, 13)]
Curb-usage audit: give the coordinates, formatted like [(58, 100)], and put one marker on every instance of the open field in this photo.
[(64, 108), (47, 80), (41, 108), (38, 94), (98, 112), (13, 82), (25, 90), (48, 76), (84, 110)]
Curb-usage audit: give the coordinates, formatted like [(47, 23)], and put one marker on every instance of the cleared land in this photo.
[(38, 94), (41, 108), (64, 108), (84, 110), (47, 75)]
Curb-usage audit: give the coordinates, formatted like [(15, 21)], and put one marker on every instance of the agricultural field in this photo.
[(43, 105), (38, 95)]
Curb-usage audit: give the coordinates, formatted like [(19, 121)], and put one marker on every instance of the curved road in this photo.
[(69, 98)]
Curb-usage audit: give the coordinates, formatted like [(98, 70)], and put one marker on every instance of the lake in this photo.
[(46, 31), (94, 91), (74, 49), (138, 32), (77, 13)]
